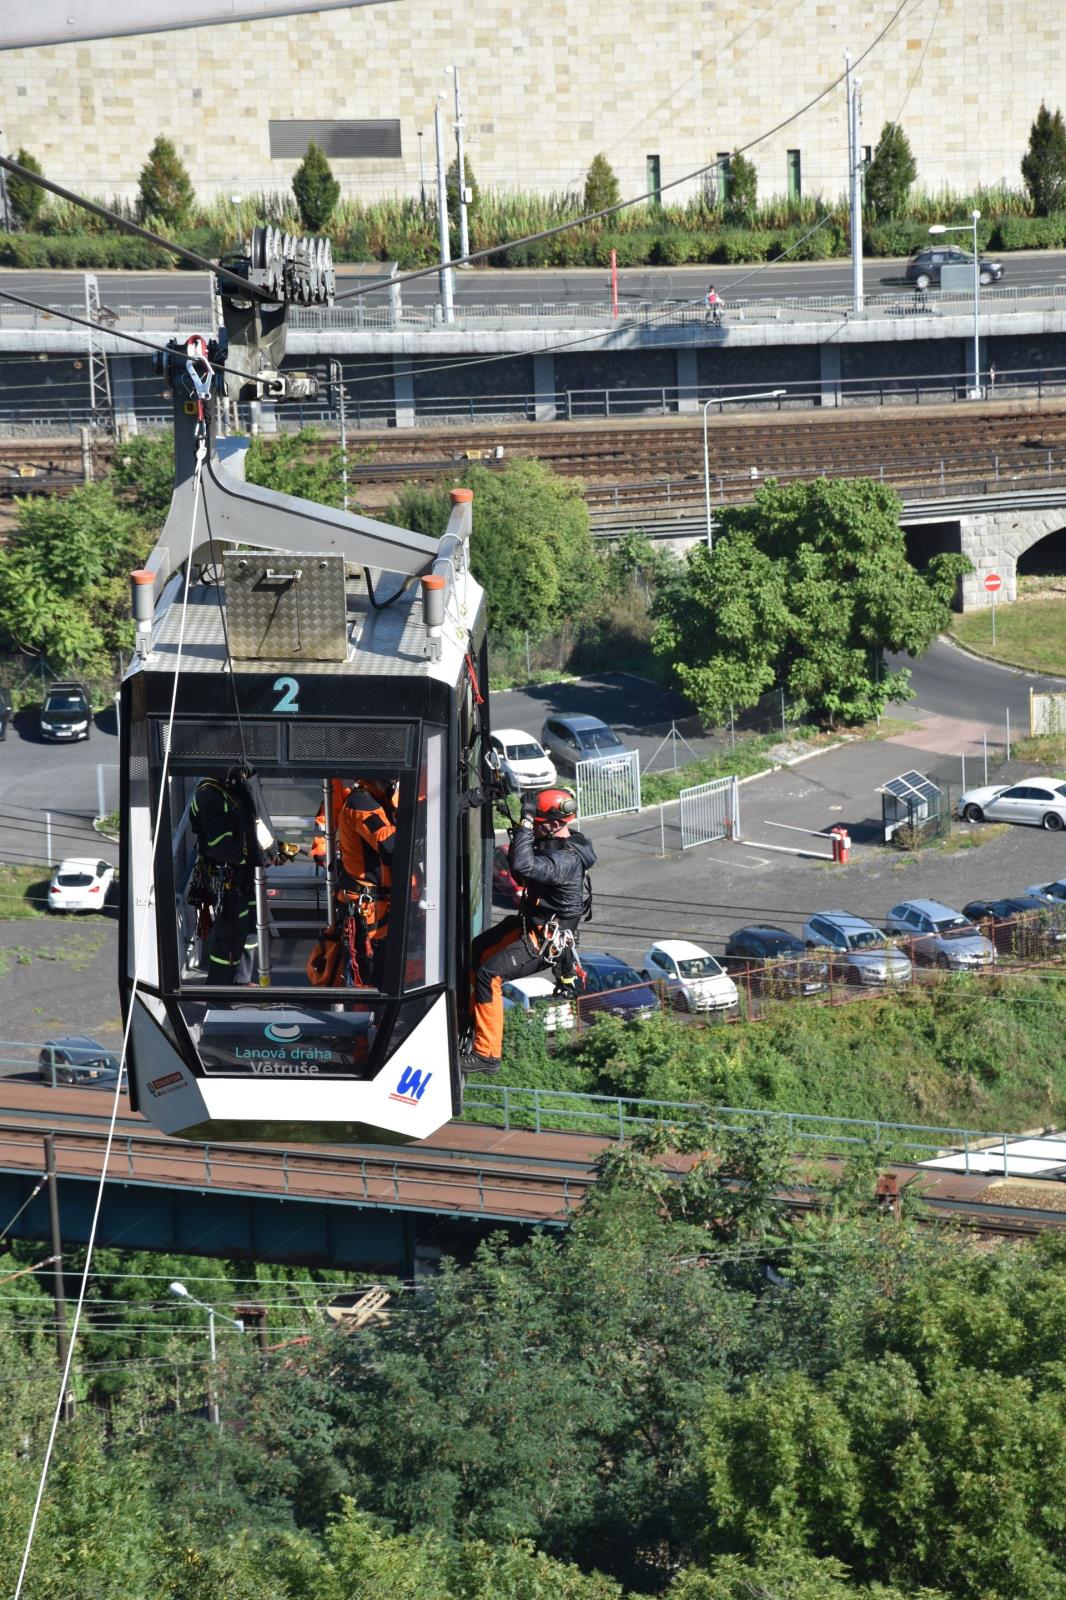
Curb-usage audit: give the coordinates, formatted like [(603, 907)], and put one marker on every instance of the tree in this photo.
[(891, 173), (601, 185), (531, 547), (316, 189), (1044, 162), (166, 191), (26, 197), (743, 189), (804, 590), (63, 583), (451, 184)]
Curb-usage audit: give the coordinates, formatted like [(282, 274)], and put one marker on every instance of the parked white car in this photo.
[(693, 977), (80, 884), (523, 760), (536, 994), (1039, 801)]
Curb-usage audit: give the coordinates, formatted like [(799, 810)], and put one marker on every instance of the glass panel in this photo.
[(254, 866), (314, 1039)]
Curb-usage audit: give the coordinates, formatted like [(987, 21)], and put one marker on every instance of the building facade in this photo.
[(662, 89)]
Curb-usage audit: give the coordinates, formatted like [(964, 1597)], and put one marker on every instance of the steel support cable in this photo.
[(204, 262), (149, 908)]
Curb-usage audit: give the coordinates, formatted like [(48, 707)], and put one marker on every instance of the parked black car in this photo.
[(775, 962), (924, 268), (1021, 925), (67, 713), (77, 1059)]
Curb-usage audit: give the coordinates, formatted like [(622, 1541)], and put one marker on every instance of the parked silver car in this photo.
[(1041, 802), (940, 936), (859, 952), (569, 740)]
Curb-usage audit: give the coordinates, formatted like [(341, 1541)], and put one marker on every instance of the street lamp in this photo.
[(179, 1291), (464, 235), (235, 200), (938, 227), (724, 400)]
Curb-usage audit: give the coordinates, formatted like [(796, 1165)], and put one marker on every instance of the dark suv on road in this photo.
[(924, 268), (67, 712)]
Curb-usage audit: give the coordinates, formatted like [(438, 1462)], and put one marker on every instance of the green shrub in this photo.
[(743, 190), (1044, 162), (673, 248), (26, 197), (601, 186), (316, 189), (634, 249), (165, 188), (743, 244), (1032, 233), (891, 173), (895, 238), (88, 250)]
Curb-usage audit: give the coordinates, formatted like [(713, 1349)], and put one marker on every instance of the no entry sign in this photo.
[(993, 581)]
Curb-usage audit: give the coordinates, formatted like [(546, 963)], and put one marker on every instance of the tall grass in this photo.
[(698, 229)]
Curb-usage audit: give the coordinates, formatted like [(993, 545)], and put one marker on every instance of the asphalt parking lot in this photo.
[(60, 975)]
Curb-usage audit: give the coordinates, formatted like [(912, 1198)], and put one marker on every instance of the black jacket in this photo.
[(231, 822), (552, 872)]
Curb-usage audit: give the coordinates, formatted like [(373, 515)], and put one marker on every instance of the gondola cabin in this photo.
[(304, 654)]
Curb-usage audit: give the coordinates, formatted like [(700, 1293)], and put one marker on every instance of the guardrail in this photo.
[(542, 1110)]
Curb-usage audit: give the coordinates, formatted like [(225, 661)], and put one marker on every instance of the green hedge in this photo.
[(1033, 233), (667, 245), (80, 250)]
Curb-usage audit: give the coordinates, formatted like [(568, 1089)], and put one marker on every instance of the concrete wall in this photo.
[(546, 87)]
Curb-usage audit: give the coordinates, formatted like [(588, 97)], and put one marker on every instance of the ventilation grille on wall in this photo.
[(341, 141)]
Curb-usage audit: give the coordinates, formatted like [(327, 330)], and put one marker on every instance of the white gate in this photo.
[(1047, 713), (608, 785), (710, 811)]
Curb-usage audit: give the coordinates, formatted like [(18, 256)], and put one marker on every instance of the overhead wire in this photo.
[(635, 200)]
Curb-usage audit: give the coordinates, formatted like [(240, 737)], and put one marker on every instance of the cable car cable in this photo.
[(135, 228), (64, 1386)]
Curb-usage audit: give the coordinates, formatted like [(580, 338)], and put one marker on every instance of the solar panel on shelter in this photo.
[(911, 786)]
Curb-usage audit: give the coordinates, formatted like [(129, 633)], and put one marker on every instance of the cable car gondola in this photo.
[(288, 653)]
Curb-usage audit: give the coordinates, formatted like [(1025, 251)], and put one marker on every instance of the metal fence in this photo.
[(1047, 713), (608, 786), (381, 410), (614, 1116), (710, 811)]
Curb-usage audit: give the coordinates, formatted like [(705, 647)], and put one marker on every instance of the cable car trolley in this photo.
[(305, 852)]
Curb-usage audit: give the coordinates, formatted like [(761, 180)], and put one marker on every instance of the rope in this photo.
[(149, 907)]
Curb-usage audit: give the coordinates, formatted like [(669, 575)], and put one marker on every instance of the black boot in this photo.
[(469, 1062)]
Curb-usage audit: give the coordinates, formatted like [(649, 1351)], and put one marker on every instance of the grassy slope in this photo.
[(1030, 633), (982, 1054)]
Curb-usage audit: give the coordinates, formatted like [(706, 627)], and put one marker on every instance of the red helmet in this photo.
[(555, 805)]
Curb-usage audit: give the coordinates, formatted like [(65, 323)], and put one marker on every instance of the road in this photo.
[(494, 286), (35, 777)]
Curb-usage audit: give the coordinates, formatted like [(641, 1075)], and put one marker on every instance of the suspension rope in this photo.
[(149, 908)]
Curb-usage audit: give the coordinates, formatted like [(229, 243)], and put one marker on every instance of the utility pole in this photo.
[(58, 1293), (854, 99), (5, 203), (421, 174), (464, 235), (442, 219), (336, 380)]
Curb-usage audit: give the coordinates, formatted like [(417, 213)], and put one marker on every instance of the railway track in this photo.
[(643, 465), (466, 1169)]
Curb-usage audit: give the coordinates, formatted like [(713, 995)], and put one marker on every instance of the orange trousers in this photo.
[(501, 953)]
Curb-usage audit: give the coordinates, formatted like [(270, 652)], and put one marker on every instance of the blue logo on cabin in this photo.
[(412, 1085)]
